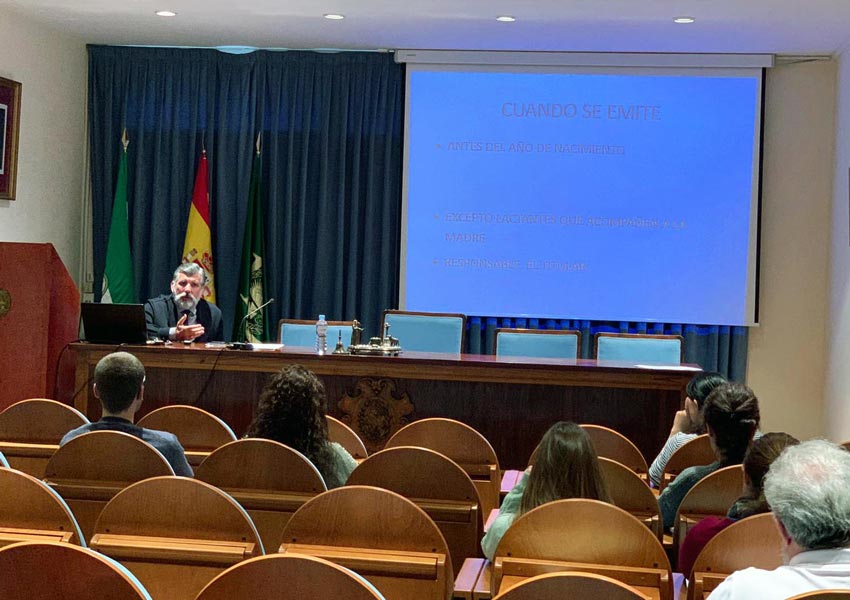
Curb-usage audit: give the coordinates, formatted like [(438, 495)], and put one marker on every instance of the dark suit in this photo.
[(161, 315)]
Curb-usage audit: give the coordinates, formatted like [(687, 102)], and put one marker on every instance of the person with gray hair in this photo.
[(184, 315), (808, 490)]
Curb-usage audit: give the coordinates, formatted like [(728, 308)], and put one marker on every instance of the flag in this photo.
[(118, 282), (251, 271), (198, 245)]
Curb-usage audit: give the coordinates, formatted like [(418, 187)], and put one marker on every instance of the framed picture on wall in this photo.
[(10, 118)]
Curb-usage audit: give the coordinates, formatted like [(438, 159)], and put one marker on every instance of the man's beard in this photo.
[(186, 301)]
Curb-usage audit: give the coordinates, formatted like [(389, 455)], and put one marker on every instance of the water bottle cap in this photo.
[(321, 317)]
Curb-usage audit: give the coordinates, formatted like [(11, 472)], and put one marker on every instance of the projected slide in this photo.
[(589, 196)]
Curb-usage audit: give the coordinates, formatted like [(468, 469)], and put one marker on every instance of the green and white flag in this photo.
[(118, 280), (251, 278)]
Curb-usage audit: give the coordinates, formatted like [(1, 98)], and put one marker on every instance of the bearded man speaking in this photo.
[(184, 315)]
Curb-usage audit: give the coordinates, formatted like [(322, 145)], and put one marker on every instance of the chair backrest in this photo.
[(379, 534), (90, 469), (632, 494), (31, 511), (288, 577), (576, 586), (30, 431), (697, 451), (175, 534), (346, 437), (751, 542), (538, 343), (39, 570), (612, 444), (199, 432), (464, 445), (582, 535), (3, 461), (269, 480), (823, 595), (427, 332), (435, 484), (640, 348), (301, 332), (712, 496)]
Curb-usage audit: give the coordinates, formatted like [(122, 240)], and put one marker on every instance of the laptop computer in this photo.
[(114, 323)]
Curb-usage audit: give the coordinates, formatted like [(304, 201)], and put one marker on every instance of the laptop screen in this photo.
[(114, 323)]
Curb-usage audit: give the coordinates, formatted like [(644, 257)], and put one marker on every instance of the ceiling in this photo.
[(750, 26)]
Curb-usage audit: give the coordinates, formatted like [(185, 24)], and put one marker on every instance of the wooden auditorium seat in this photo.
[(30, 431), (378, 534), (346, 437), (199, 432), (288, 577), (31, 511), (90, 469), (575, 586), (462, 444), (175, 534), (436, 485), (586, 536), (712, 496), (55, 570), (612, 444), (692, 453), (269, 480), (632, 494), (823, 595), (751, 542)]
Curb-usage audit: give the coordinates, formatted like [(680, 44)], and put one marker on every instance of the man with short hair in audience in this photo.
[(119, 384), (808, 489)]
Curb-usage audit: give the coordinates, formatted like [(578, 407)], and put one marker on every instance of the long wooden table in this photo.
[(511, 401)]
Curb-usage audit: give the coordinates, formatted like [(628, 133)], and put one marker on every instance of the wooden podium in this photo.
[(39, 316)]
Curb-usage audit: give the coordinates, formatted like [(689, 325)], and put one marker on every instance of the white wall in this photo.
[(787, 352), (53, 69)]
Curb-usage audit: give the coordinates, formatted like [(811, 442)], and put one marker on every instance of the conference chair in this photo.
[(379, 534), (751, 542), (4, 462), (640, 348), (697, 451), (30, 431), (288, 577), (42, 570), (823, 595), (346, 437), (427, 332), (538, 343), (612, 444), (199, 432), (712, 496), (435, 484), (92, 468), (575, 586), (31, 511), (301, 332), (632, 494), (585, 536), (462, 444), (175, 534), (269, 480)]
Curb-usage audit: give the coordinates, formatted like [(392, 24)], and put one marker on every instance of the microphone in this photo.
[(248, 345)]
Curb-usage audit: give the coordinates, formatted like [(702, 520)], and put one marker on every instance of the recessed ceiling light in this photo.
[(334, 17), (506, 19), (683, 20), (166, 13)]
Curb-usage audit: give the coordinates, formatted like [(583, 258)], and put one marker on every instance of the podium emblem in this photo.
[(5, 302)]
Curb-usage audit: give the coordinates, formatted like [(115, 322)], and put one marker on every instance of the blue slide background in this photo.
[(685, 179)]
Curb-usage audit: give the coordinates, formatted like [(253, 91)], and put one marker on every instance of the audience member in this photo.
[(565, 466), (292, 411), (808, 489), (687, 423), (757, 461), (184, 315), (119, 384), (731, 414)]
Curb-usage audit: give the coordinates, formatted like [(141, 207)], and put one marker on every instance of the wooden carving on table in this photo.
[(375, 411)]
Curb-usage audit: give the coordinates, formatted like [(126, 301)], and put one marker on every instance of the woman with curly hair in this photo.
[(292, 411)]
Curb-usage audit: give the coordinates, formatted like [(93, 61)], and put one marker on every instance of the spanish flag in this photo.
[(198, 245)]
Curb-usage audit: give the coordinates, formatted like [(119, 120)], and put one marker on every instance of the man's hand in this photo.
[(187, 332), (681, 423)]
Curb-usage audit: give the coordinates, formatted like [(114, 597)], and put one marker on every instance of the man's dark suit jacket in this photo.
[(161, 315)]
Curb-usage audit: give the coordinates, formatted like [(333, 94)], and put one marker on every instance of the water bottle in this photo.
[(321, 336)]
